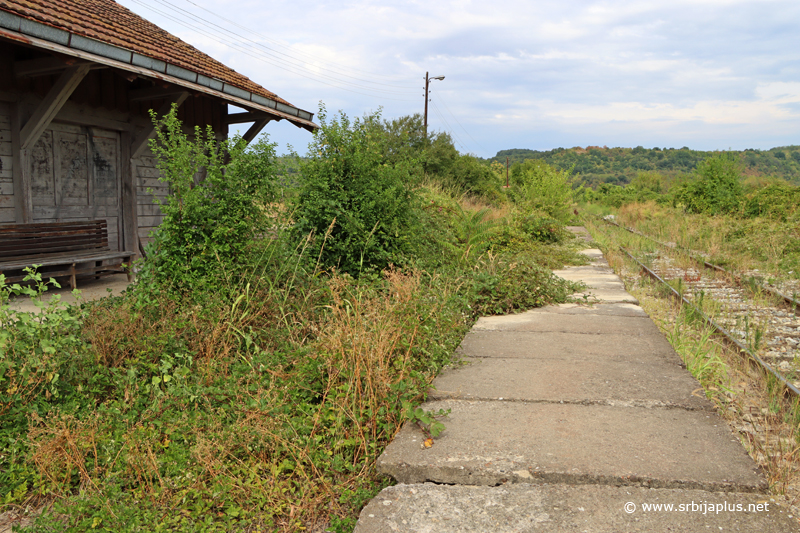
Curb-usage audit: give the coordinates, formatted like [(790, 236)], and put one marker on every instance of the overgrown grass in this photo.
[(769, 245), (259, 403)]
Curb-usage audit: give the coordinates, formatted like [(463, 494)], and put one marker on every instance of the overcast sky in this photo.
[(707, 74)]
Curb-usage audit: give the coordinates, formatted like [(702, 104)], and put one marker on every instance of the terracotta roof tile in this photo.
[(109, 22)]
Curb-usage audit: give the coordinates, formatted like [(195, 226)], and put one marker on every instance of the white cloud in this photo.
[(535, 74)]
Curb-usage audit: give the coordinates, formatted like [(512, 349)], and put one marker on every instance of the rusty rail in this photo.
[(719, 329), (793, 304)]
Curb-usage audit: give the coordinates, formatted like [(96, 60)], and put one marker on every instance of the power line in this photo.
[(462, 127), (299, 52), (270, 58), (444, 120)]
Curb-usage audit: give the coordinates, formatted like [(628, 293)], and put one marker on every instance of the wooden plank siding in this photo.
[(7, 209), (79, 169), (148, 188)]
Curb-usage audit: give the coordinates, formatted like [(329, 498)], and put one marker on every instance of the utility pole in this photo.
[(427, 92)]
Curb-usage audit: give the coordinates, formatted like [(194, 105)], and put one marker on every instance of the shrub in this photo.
[(538, 186), (715, 190), (354, 203), (219, 193), (779, 201)]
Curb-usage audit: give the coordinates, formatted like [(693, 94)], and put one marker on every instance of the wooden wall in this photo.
[(69, 161), (7, 212), (148, 190)]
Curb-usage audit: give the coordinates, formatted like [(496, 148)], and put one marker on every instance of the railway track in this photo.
[(759, 319)]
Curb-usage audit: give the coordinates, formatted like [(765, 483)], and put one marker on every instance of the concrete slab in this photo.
[(430, 508), (596, 381), (581, 232), (587, 270), (606, 296), (565, 346), (90, 289), (621, 309), (593, 253), (489, 443), (582, 323)]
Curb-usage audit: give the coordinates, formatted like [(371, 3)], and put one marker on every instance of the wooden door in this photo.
[(75, 176)]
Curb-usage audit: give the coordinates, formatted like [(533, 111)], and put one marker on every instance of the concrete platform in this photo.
[(493, 442), (90, 289), (565, 345), (604, 285), (559, 418), (556, 508), (601, 381)]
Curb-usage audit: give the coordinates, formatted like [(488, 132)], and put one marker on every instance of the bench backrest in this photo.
[(54, 237)]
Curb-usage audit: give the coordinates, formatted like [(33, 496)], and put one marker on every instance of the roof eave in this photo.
[(46, 37)]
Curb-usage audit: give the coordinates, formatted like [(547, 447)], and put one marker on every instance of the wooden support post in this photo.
[(130, 230), (254, 130), (52, 103), (139, 144), (20, 170)]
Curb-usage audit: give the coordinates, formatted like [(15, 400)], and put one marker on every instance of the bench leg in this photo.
[(72, 280)]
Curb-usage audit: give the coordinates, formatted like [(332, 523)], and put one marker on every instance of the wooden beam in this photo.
[(52, 103), (20, 171), (139, 144), (130, 229), (155, 93), (45, 66), (88, 116), (250, 116), (254, 130)]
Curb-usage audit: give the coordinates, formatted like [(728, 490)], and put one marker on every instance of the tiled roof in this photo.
[(109, 22)]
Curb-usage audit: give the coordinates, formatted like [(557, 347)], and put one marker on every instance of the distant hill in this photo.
[(595, 164)]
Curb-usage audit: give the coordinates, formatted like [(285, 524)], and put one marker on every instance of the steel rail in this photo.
[(720, 330), (794, 304)]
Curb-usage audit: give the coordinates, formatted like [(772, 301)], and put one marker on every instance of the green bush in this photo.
[(539, 187), (356, 206), (219, 198), (467, 174), (511, 283), (716, 189), (779, 201)]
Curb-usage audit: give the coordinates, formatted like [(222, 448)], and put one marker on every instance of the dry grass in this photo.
[(472, 204)]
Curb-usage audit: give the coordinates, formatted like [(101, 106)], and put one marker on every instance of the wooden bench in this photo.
[(60, 249)]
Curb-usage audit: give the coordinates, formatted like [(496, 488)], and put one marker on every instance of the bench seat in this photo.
[(81, 248)]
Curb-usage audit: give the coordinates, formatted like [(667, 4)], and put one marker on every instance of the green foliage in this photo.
[(220, 192), (426, 420), (716, 189), (778, 200), (510, 283), (539, 187), (355, 205), (594, 166), (469, 175), (473, 231), (260, 399), (40, 363)]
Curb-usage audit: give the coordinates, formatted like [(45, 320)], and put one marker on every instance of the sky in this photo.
[(537, 74)]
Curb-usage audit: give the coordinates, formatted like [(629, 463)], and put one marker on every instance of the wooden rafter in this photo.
[(155, 93), (45, 66), (254, 130), (250, 116), (52, 103)]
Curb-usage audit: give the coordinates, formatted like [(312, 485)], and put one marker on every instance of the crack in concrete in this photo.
[(644, 404)]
